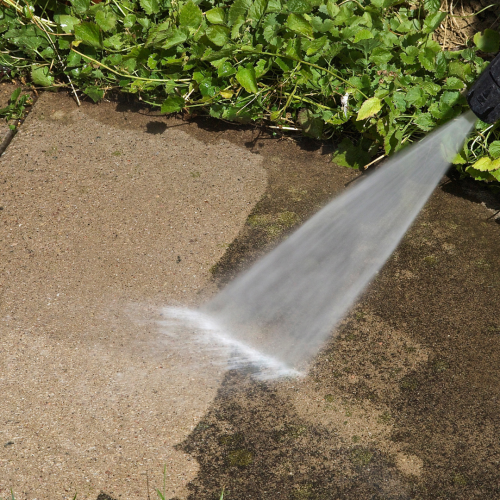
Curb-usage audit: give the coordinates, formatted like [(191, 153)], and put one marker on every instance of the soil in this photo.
[(468, 18)]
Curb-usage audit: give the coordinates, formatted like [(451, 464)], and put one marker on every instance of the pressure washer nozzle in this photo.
[(484, 96)]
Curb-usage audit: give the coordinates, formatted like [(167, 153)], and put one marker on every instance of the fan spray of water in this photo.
[(280, 312)]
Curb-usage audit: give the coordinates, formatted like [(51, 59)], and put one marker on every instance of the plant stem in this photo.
[(130, 76), (336, 75)]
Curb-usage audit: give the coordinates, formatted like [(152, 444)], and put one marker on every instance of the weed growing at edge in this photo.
[(369, 69)]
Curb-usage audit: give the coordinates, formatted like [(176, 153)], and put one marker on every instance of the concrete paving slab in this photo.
[(401, 403), (99, 225)]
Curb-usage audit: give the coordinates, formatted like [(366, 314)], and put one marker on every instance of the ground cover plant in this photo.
[(367, 71)]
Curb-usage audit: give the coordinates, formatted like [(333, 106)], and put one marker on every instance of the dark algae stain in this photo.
[(447, 412), (276, 454)]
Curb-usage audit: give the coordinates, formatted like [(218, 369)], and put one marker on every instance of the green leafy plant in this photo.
[(162, 494), (16, 107), (369, 70), (480, 156)]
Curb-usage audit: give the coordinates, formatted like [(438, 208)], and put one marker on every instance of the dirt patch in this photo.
[(467, 17)]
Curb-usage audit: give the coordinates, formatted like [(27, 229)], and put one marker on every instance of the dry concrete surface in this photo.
[(99, 227)]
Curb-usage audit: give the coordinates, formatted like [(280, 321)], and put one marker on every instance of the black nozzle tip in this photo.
[(484, 96)]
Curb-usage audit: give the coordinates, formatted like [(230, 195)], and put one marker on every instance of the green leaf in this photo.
[(247, 79), (274, 6), (469, 54), (216, 16), (416, 97), (158, 34), (351, 156), (425, 122), (106, 19), (398, 98), (332, 8), (283, 65), (459, 160), (488, 41), (73, 60), (412, 51), (433, 45), (321, 26), (67, 23), (238, 11), (494, 149), (486, 165), (297, 23), (116, 42), (48, 53), (369, 108), (41, 76), (218, 57), (479, 174), (172, 104), (453, 83), (261, 68), (310, 125), (150, 6), (382, 4), (426, 58), (431, 88), (432, 5), (175, 37), (450, 98), (299, 6), (235, 30), (129, 20), (15, 95), (152, 61), (207, 89), (190, 16), (80, 6), (218, 35), (483, 164), (95, 93), (89, 34), (63, 44), (293, 48), (460, 70), (441, 65), (407, 59), (432, 21), (144, 22), (257, 10), (381, 55), (29, 38), (362, 35), (225, 70), (316, 45)]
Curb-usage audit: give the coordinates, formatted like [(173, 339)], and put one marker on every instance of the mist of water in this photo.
[(288, 303)]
